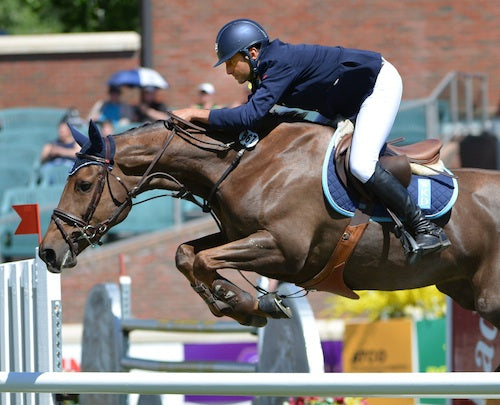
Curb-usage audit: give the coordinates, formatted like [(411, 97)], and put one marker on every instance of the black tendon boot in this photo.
[(428, 236)]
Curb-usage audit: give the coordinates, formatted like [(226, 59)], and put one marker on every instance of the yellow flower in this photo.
[(418, 303)]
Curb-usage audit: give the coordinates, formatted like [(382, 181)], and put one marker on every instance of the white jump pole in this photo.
[(446, 385)]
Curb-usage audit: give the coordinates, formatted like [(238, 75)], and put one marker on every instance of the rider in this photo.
[(354, 83)]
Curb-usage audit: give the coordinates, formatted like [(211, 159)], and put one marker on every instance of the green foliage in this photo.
[(26, 17), (57, 16), (418, 303)]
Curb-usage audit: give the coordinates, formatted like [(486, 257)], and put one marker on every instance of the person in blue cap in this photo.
[(356, 84)]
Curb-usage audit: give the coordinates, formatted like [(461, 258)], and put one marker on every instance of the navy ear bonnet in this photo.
[(96, 150)]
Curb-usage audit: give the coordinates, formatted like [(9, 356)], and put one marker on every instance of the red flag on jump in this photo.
[(30, 220)]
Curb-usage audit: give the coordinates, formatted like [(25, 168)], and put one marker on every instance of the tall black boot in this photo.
[(428, 236)]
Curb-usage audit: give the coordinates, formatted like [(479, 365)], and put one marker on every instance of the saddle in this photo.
[(421, 158), (401, 161)]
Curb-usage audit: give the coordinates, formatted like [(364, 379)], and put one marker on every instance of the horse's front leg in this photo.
[(257, 253), (184, 260), (217, 303)]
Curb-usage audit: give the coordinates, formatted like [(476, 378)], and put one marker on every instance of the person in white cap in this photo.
[(206, 92)]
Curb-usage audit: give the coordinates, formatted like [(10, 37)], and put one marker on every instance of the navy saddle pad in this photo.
[(434, 194)]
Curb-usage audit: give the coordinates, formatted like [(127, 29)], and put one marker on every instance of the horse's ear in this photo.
[(95, 136), (78, 136)]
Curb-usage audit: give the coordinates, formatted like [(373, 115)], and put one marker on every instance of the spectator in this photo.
[(113, 109), (206, 93), (149, 108), (106, 128), (62, 150)]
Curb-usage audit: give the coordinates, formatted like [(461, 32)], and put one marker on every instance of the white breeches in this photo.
[(374, 122)]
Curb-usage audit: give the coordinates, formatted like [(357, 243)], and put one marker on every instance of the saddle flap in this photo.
[(423, 152), (398, 166)]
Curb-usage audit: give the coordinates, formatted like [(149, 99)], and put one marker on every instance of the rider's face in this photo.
[(238, 67)]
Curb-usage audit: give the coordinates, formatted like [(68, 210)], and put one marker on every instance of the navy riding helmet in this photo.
[(237, 36)]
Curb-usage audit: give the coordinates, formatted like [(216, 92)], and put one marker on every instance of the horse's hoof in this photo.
[(273, 305), (218, 308), (256, 321), (239, 300)]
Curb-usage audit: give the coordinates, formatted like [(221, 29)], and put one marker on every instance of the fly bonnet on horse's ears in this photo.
[(95, 146), (78, 136)]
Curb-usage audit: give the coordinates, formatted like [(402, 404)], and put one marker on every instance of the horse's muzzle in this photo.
[(55, 263)]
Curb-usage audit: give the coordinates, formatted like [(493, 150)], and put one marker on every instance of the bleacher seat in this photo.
[(30, 117), (20, 155), (191, 211), (149, 216), (23, 246), (50, 174), (35, 137), (15, 176), (410, 123)]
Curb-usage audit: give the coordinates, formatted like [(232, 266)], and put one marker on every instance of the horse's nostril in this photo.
[(48, 256)]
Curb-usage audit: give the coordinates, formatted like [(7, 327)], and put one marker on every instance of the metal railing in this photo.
[(458, 105)]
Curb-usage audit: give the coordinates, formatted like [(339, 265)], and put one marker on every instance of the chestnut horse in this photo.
[(274, 219)]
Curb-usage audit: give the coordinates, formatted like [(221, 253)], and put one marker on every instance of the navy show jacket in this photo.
[(330, 80)]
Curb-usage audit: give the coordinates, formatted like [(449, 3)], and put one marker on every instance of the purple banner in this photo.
[(247, 353), (238, 352)]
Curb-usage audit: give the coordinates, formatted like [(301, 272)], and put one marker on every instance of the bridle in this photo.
[(93, 233)]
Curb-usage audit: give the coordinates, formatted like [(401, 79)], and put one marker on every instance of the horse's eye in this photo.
[(83, 186)]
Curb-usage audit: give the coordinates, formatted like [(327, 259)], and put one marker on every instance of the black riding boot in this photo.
[(429, 237)]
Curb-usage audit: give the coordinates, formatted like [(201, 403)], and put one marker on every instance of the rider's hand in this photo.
[(193, 114)]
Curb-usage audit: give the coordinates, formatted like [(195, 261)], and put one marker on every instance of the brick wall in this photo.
[(55, 78), (425, 39)]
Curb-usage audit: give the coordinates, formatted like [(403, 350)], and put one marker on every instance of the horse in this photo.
[(273, 217)]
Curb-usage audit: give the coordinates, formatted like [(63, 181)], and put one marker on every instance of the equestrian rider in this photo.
[(354, 83)]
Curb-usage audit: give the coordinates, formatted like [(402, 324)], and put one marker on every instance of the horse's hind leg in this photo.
[(460, 290), (481, 293), (486, 284)]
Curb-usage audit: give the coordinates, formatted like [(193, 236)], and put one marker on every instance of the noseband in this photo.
[(93, 233)]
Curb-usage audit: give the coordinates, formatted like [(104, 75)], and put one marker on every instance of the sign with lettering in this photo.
[(475, 342), (383, 346), (475, 345)]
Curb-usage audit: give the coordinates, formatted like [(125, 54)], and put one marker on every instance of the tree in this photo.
[(57, 16)]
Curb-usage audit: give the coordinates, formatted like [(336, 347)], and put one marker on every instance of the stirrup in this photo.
[(272, 304), (410, 247)]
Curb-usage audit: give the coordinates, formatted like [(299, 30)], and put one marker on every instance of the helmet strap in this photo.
[(253, 68)]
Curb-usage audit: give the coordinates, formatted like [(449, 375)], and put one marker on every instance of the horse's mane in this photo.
[(265, 126), (147, 126)]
